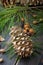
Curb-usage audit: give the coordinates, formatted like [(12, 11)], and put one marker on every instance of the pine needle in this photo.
[(17, 60)]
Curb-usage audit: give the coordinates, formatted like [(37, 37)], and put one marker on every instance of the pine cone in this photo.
[(22, 43), (22, 2)]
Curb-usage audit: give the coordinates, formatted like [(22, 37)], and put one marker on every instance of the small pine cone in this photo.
[(22, 43)]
